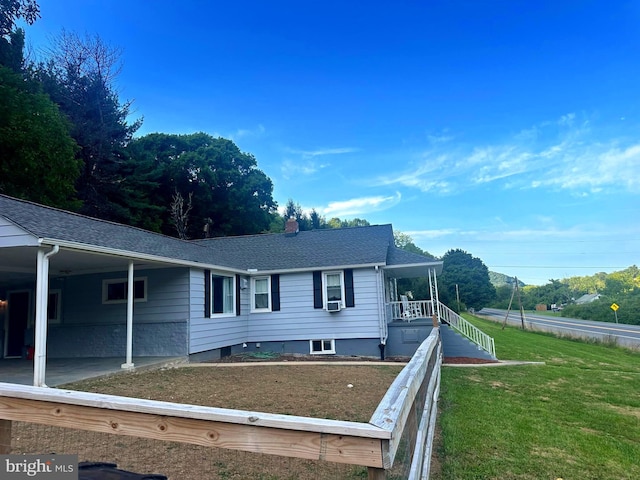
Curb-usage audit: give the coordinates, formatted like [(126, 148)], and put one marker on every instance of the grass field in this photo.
[(576, 417)]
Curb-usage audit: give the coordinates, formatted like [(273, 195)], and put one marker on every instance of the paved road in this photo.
[(625, 335)]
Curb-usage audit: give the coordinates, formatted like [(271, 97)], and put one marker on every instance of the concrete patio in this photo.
[(61, 371)]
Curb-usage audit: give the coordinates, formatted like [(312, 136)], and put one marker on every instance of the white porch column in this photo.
[(130, 299), (42, 300), (435, 297)]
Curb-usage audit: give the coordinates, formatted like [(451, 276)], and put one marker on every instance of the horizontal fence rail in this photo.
[(412, 395), (284, 435), (470, 331), (409, 407)]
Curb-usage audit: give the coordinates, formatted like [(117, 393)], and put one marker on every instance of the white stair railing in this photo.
[(470, 331)]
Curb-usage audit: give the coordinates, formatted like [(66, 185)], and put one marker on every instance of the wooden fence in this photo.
[(404, 420)]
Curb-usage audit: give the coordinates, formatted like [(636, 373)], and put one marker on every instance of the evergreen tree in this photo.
[(79, 76)]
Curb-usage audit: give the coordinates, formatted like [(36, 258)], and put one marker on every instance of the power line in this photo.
[(551, 266)]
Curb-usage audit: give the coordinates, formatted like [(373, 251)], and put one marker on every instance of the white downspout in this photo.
[(129, 361), (42, 300), (382, 311), (435, 281)]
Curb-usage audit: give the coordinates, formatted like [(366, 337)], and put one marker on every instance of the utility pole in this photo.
[(520, 302), (458, 297), (513, 292)]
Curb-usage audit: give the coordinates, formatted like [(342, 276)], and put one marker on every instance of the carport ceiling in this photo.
[(18, 263)]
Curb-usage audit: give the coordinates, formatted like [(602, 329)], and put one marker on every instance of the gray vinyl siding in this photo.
[(89, 328), (167, 298), (13, 236), (218, 331), (298, 320)]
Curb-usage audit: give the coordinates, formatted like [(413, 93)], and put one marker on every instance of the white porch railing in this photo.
[(473, 333), (411, 310)]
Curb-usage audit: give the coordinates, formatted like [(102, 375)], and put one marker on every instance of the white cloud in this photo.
[(596, 167), (240, 133), (564, 154), (254, 132), (435, 139), (306, 163), (322, 152), (291, 168), (567, 120), (418, 235), (359, 206)]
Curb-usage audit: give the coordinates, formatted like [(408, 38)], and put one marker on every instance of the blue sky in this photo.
[(508, 129)]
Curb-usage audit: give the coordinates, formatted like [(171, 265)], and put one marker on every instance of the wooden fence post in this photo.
[(5, 437), (376, 473)]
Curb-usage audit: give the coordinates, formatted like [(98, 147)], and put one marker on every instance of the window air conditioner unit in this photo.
[(334, 306)]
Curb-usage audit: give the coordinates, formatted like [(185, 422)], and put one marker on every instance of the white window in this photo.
[(54, 306), (261, 294), (115, 290), (223, 295), (320, 347), (333, 288)]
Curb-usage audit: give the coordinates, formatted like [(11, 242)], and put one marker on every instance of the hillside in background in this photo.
[(621, 287), (500, 279)]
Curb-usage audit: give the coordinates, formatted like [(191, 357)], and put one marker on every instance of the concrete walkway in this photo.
[(496, 363), (61, 371), (499, 363)]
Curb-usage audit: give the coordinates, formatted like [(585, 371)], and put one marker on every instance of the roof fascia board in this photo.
[(113, 252), (310, 269), (421, 264)]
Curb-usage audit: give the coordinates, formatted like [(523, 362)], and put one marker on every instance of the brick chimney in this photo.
[(291, 227)]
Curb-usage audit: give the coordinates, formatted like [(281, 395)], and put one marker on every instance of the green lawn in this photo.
[(576, 417)]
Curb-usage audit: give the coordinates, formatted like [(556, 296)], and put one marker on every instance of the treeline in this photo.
[(67, 140), (621, 288)]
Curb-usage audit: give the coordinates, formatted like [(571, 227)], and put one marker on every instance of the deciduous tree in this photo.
[(12, 10), (472, 277), (231, 196), (37, 154)]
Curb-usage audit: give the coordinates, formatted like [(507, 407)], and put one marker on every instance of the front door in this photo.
[(18, 308)]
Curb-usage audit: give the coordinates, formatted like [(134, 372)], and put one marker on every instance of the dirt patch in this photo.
[(292, 357), (627, 410), (275, 357), (341, 392), (321, 391)]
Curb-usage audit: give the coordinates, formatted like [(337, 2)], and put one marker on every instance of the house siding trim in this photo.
[(135, 255)]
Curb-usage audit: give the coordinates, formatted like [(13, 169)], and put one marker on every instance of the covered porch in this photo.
[(58, 322), (410, 321), (400, 306)]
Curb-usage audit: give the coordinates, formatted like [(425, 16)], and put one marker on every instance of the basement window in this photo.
[(322, 347)]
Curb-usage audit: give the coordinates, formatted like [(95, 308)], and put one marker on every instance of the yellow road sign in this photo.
[(615, 307)]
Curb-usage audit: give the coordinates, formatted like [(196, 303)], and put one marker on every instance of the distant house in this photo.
[(588, 298), (74, 286)]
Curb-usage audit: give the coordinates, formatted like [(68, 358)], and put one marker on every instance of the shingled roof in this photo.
[(53, 224), (309, 249), (325, 248)]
